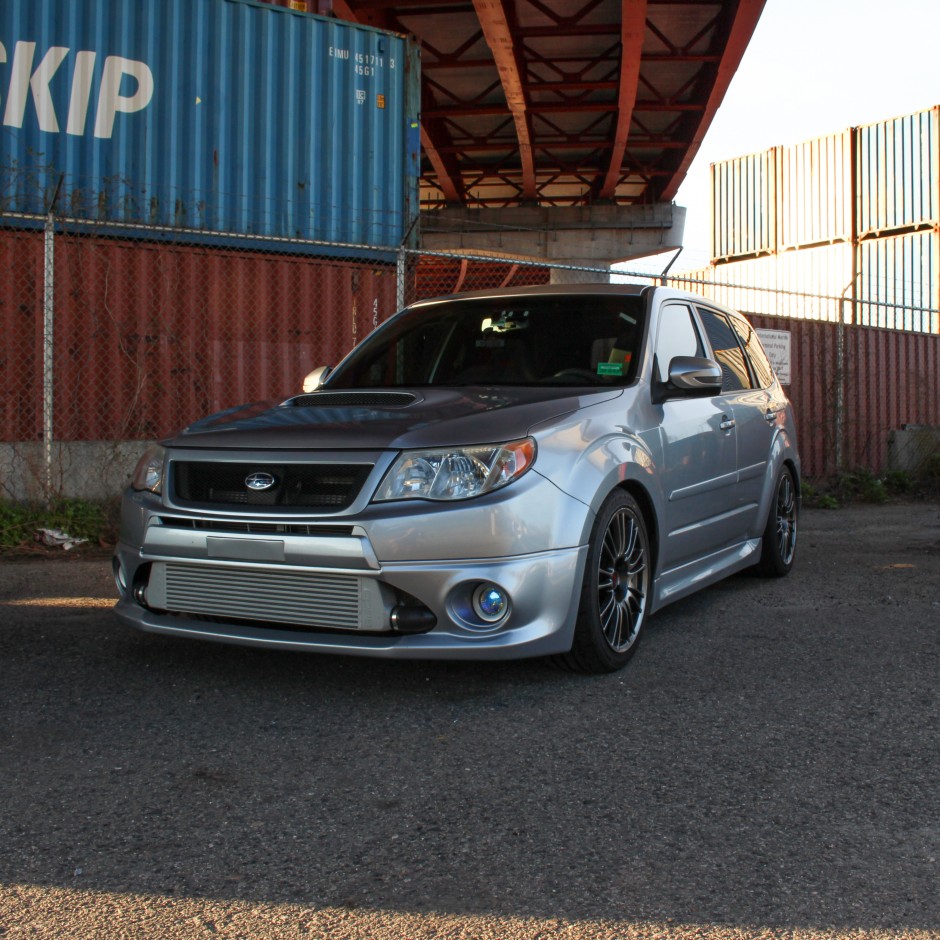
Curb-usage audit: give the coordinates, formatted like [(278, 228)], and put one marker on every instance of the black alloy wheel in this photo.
[(778, 545), (615, 591)]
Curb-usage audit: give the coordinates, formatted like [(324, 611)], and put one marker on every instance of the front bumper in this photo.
[(544, 589), (396, 579)]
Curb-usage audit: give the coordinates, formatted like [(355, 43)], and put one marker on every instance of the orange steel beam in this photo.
[(498, 35), (453, 192), (745, 21), (632, 33), (616, 99)]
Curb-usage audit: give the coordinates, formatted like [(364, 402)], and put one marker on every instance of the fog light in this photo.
[(490, 602), (140, 594)]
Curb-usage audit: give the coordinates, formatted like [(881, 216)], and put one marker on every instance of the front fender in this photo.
[(589, 468)]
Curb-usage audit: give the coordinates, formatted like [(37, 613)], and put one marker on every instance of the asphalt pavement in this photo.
[(768, 765)]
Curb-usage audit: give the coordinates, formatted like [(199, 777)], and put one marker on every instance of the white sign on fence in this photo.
[(777, 345)]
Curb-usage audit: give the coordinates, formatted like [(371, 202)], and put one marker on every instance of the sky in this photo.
[(814, 67)]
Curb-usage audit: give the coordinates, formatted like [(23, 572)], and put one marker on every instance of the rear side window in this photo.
[(728, 351), (760, 364)]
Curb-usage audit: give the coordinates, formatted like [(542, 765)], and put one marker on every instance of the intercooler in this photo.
[(271, 595)]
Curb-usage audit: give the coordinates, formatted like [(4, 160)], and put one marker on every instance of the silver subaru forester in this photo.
[(521, 472)]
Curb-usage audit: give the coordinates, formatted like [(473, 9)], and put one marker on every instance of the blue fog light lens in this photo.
[(490, 602)]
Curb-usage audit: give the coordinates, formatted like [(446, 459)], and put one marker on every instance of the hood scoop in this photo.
[(351, 400)]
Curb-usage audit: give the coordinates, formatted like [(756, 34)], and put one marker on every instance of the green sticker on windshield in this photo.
[(611, 368)]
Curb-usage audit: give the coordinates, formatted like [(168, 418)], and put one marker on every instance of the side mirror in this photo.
[(313, 380), (694, 374)]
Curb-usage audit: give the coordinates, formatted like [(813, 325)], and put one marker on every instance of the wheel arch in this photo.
[(645, 502), (790, 463), (783, 454)]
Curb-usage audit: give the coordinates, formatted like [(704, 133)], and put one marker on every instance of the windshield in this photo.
[(548, 340)]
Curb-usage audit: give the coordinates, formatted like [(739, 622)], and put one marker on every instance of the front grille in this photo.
[(348, 399), (257, 528), (313, 600), (326, 487)]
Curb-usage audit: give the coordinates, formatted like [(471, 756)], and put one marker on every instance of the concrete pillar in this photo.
[(595, 236), (597, 274)]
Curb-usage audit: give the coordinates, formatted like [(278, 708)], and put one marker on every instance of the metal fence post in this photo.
[(840, 396), (48, 336), (48, 348), (400, 277)]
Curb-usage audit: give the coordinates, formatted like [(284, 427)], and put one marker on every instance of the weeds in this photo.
[(82, 519), (859, 485), (899, 482), (863, 486), (930, 474)]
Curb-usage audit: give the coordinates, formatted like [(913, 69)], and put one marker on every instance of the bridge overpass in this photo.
[(562, 128)]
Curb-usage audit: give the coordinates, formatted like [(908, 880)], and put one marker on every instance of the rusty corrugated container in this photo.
[(786, 197), (815, 192), (21, 359), (899, 173), (812, 283), (899, 282), (813, 361), (896, 283), (903, 370), (744, 205), (894, 381), (889, 379), (864, 182), (149, 337), (221, 116)]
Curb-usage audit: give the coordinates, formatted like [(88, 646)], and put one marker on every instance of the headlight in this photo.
[(149, 472), (456, 472)]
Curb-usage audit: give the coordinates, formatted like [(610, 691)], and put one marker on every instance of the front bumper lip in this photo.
[(544, 590), (530, 641)]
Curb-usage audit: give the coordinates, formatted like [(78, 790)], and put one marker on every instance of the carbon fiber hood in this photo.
[(389, 420)]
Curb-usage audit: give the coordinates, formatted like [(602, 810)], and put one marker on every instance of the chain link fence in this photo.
[(110, 340), (113, 336)]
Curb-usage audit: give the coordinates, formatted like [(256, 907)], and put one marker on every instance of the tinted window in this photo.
[(677, 337), (760, 364), (551, 340), (727, 350)]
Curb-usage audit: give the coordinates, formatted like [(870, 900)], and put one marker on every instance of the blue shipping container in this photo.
[(222, 116)]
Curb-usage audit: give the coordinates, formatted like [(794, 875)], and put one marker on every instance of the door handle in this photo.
[(726, 423)]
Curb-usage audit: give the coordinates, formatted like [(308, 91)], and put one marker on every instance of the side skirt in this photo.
[(687, 579)]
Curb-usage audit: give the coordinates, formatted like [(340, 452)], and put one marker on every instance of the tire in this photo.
[(616, 589), (778, 545)]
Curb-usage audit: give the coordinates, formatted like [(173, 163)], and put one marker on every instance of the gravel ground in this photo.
[(768, 765)]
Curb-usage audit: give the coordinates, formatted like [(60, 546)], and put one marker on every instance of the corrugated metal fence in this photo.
[(130, 339), (853, 387), (109, 340), (147, 337)]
